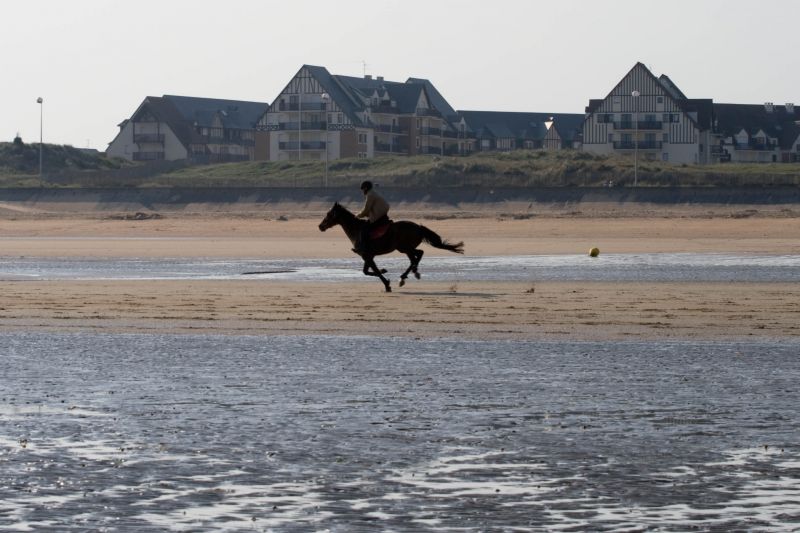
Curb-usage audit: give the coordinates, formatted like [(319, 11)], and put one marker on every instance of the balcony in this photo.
[(305, 106), (423, 112), (389, 148), (430, 150), (387, 128), (642, 125), (430, 131), (148, 156), (758, 146), (642, 145), (305, 145), (384, 109), (454, 134), (142, 138), (305, 126)]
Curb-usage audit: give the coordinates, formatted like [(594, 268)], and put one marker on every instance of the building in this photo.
[(320, 116), (649, 117), (747, 133), (201, 130), (652, 118), (503, 131)]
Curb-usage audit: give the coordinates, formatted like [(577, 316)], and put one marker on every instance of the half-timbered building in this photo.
[(649, 117), (320, 116)]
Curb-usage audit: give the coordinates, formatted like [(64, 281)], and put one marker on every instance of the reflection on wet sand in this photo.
[(232, 433)]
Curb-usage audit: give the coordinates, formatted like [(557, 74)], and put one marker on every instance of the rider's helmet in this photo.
[(366, 185)]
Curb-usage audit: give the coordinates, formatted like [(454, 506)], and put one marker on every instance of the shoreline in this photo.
[(694, 311)]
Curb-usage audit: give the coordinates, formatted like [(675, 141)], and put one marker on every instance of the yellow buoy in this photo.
[(594, 252)]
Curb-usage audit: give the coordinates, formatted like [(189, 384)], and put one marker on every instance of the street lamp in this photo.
[(40, 101), (325, 99), (635, 95)]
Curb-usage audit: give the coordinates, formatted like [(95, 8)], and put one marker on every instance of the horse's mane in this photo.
[(344, 211)]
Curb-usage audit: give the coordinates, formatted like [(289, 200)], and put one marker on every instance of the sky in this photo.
[(94, 61)]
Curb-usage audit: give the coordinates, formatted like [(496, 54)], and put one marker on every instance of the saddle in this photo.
[(379, 231)]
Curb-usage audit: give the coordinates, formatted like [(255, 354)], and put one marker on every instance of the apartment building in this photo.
[(651, 117), (504, 131), (320, 116), (202, 130), (762, 133)]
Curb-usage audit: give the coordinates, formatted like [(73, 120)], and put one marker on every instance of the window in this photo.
[(339, 118), (611, 137), (362, 138), (676, 117), (665, 156), (419, 124), (659, 99), (665, 137)]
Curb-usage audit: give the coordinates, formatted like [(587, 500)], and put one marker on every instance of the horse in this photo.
[(403, 236)]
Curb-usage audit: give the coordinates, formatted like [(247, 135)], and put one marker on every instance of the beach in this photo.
[(517, 310)]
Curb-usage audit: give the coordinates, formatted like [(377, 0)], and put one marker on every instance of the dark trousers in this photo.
[(363, 242)]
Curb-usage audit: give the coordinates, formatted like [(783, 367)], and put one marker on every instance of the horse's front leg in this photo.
[(371, 269)]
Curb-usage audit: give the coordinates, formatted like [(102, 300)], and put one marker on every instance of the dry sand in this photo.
[(540, 310)]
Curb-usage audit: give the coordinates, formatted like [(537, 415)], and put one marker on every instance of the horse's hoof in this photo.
[(416, 275), (388, 289), (402, 282)]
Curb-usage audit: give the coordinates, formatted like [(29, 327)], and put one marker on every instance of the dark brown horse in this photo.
[(402, 236)]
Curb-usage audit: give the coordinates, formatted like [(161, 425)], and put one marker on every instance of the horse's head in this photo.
[(332, 218)]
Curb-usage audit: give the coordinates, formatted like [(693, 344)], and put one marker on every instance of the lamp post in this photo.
[(325, 99), (635, 95), (40, 101)]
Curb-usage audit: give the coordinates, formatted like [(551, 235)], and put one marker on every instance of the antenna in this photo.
[(364, 67)]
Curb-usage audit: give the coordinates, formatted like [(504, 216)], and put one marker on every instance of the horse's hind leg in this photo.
[(371, 269), (413, 257), (415, 262)]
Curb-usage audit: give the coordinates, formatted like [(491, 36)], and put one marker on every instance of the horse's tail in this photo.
[(432, 238)]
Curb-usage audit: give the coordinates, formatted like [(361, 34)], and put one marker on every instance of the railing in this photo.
[(218, 158), (148, 156), (430, 131), (454, 134), (140, 138), (386, 128), (292, 126), (305, 106), (757, 147), (430, 150), (642, 145), (385, 147), (305, 145), (423, 112), (384, 110), (642, 125)]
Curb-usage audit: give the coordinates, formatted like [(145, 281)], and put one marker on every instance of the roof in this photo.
[(235, 114), (730, 119), (349, 92), (687, 105), (184, 113), (520, 125)]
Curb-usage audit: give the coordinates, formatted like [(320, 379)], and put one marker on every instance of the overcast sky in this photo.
[(94, 61)]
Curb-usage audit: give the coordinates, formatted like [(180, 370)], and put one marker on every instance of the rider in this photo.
[(376, 211)]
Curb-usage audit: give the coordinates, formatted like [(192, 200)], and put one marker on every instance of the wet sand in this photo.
[(512, 310)]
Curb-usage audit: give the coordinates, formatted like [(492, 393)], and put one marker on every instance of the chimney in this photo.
[(768, 107), (789, 107), (367, 76), (380, 78)]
